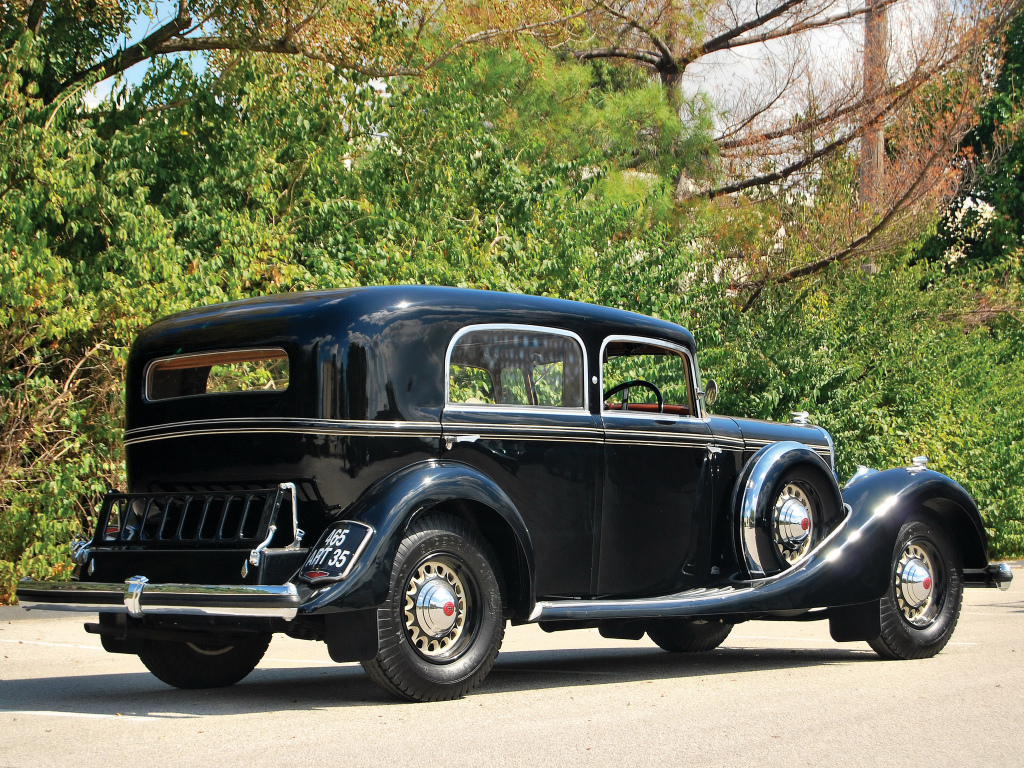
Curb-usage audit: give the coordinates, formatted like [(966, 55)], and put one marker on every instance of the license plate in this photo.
[(336, 552)]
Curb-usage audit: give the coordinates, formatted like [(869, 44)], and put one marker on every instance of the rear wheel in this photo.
[(203, 665), (921, 607), (682, 636), (442, 626)]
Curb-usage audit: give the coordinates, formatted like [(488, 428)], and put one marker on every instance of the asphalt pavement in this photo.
[(775, 694)]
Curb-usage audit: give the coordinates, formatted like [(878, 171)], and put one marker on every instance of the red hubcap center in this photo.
[(927, 583), (805, 523), (449, 608)]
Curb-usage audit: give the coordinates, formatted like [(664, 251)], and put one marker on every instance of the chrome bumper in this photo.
[(992, 575), (137, 597)]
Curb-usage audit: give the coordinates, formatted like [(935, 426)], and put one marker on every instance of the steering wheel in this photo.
[(625, 386)]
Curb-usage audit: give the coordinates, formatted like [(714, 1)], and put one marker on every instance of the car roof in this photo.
[(384, 304)]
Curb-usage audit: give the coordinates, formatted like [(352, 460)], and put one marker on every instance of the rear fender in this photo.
[(389, 506)]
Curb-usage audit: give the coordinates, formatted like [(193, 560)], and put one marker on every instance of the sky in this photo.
[(163, 11)]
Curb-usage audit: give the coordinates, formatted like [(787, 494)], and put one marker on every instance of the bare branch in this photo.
[(647, 57), (668, 60), (804, 26), (725, 39), (855, 245), (783, 173)]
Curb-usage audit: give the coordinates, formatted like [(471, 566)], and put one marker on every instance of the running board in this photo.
[(693, 602)]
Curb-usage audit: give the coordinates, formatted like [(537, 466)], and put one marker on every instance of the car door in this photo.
[(656, 470), (517, 410)]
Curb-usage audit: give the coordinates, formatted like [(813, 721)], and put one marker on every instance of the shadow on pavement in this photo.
[(305, 688)]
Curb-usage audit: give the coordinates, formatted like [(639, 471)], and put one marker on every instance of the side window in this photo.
[(209, 373), (652, 369), (512, 366)]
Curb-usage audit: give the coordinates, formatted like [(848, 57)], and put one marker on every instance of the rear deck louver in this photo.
[(224, 519)]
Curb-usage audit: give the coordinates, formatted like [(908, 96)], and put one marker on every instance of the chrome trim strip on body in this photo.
[(277, 425), (619, 434), (138, 597), (387, 425), (526, 329)]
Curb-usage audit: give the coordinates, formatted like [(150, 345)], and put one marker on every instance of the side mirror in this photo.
[(711, 392)]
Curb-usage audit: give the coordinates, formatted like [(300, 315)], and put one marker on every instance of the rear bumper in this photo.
[(992, 575), (137, 597)]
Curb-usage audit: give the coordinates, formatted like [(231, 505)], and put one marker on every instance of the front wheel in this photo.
[(203, 665), (442, 625), (922, 604)]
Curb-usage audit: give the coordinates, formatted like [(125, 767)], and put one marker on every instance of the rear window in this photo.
[(208, 373), (516, 366)]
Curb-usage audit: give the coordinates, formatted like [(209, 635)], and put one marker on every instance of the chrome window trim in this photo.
[(515, 327), (147, 371), (696, 401), (533, 410)]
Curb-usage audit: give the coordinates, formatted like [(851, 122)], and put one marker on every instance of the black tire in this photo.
[(921, 632), (683, 636), (417, 666), (192, 665), (811, 487)]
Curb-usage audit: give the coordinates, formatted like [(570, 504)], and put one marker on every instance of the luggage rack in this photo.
[(195, 519)]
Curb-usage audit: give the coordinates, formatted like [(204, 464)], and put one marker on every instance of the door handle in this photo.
[(449, 442)]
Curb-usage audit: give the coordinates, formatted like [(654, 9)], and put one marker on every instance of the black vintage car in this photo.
[(399, 471)]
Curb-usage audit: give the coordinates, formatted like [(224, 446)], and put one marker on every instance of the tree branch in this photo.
[(279, 47), (804, 26), (854, 245), (784, 173), (614, 52), (897, 94), (722, 41), (133, 54), (667, 60)]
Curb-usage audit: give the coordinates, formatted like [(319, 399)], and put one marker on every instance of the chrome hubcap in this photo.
[(915, 586), (435, 608), (792, 523)]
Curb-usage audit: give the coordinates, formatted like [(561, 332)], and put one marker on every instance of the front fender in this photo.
[(389, 506), (929, 493)]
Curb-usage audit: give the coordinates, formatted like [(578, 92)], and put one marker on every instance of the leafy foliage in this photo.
[(513, 172)]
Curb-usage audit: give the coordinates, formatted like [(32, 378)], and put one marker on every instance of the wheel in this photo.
[(442, 625), (193, 665), (922, 604), (683, 636), (801, 515)]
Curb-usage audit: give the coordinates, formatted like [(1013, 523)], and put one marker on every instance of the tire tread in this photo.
[(389, 669)]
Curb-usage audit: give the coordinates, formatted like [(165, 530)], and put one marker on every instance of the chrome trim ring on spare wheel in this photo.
[(436, 607), (919, 590)]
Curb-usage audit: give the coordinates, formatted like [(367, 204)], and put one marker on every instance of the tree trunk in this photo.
[(872, 144)]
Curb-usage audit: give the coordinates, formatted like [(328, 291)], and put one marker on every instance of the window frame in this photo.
[(197, 357), (496, 408), (696, 395)]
